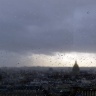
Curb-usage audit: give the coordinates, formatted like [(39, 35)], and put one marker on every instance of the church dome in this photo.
[(75, 69)]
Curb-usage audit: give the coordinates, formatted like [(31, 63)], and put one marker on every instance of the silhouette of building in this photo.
[(75, 69)]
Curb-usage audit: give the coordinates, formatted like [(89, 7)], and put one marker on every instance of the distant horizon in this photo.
[(42, 67)]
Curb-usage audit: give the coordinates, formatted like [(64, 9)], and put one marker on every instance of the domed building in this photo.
[(75, 69)]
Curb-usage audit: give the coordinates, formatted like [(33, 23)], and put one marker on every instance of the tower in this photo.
[(75, 69)]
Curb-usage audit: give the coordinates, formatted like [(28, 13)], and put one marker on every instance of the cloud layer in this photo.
[(46, 26)]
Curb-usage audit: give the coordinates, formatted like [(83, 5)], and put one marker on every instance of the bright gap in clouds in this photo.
[(65, 59), (10, 59)]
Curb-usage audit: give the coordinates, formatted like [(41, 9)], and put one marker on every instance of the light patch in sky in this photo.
[(65, 59), (10, 59)]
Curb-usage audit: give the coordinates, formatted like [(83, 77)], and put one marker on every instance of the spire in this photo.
[(75, 69), (76, 62)]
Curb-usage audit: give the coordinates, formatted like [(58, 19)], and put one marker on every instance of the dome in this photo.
[(75, 69)]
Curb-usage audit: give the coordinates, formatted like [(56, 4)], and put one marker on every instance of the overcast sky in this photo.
[(29, 27)]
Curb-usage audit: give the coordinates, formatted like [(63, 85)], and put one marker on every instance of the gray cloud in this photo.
[(47, 26)]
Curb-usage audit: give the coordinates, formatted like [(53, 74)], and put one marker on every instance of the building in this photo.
[(75, 69)]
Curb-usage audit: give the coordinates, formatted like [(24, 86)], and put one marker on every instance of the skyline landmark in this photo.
[(75, 69)]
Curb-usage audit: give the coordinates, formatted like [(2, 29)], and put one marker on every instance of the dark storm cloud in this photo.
[(47, 25)]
